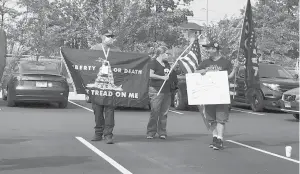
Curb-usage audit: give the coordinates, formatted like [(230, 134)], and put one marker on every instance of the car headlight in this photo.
[(297, 97), (274, 87)]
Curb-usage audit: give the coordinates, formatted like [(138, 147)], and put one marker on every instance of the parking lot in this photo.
[(45, 139)]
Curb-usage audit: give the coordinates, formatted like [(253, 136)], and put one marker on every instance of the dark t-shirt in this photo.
[(219, 65), (162, 71)]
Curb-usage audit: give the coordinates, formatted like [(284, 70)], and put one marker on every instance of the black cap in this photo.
[(107, 32), (212, 45)]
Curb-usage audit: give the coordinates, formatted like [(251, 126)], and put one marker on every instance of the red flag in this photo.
[(248, 47)]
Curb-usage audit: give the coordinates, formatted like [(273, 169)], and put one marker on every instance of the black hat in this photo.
[(107, 32), (212, 45)]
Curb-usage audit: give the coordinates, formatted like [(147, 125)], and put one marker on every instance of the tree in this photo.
[(277, 26)]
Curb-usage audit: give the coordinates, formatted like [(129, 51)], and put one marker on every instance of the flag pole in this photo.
[(239, 47), (67, 68), (173, 66)]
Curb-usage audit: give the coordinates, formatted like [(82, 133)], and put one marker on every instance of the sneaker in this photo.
[(109, 140), (163, 137), (149, 137), (219, 145), (213, 142), (97, 138)]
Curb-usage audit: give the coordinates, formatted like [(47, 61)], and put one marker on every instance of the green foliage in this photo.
[(43, 25), (276, 28), (227, 33)]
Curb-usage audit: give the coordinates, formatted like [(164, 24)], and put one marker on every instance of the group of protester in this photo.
[(215, 115)]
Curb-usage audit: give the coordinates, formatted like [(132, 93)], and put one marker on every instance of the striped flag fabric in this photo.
[(192, 59)]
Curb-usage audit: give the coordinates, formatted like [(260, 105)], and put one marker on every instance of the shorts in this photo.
[(217, 113)]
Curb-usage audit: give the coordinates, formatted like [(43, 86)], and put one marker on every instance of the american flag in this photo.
[(192, 59)]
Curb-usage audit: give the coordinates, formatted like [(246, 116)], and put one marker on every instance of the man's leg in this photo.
[(210, 113), (222, 118), (220, 130), (109, 123), (99, 120), (155, 102), (162, 122)]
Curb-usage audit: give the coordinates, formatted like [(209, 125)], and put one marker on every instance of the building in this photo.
[(189, 29)]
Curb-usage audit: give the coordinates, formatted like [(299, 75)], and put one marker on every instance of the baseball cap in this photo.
[(107, 32), (212, 45)]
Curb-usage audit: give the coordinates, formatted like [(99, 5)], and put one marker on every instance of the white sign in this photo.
[(211, 88)]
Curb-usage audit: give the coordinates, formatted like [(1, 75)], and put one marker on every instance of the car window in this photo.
[(40, 68), (273, 71)]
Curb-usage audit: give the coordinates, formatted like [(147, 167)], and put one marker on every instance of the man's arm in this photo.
[(234, 68), (155, 76), (201, 69)]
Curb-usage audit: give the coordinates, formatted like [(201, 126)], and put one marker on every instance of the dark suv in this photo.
[(274, 80)]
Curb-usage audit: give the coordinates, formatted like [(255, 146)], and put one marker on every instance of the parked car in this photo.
[(294, 72), (34, 81), (274, 80), (290, 102)]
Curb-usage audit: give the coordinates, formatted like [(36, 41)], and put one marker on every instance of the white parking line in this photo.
[(104, 156), (254, 113), (81, 106), (263, 151), (176, 112)]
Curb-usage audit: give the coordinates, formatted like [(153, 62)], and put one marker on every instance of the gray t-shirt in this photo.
[(219, 65)]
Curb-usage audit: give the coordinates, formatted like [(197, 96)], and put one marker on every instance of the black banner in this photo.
[(121, 80)]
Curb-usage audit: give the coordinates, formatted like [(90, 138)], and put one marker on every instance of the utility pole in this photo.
[(207, 13)]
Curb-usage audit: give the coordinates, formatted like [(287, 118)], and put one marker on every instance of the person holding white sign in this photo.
[(216, 115)]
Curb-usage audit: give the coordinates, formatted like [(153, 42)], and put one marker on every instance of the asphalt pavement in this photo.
[(43, 139)]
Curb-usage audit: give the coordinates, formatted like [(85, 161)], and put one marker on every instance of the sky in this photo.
[(217, 9)]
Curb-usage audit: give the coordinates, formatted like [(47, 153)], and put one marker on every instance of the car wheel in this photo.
[(178, 102), (257, 101), (4, 94), (296, 116), (10, 101), (63, 104), (87, 99)]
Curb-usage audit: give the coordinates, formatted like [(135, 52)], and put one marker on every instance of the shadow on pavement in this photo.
[(292, 120), (39, 162), (171, 138), (13, 141), (142, 138)]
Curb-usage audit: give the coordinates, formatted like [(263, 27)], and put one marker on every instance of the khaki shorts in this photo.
[(217, 113)]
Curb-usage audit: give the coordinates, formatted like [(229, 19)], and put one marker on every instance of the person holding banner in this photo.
[(216, 115), (104, 115), (160, 104)]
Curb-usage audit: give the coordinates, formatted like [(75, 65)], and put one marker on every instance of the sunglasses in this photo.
[(110, 36)]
